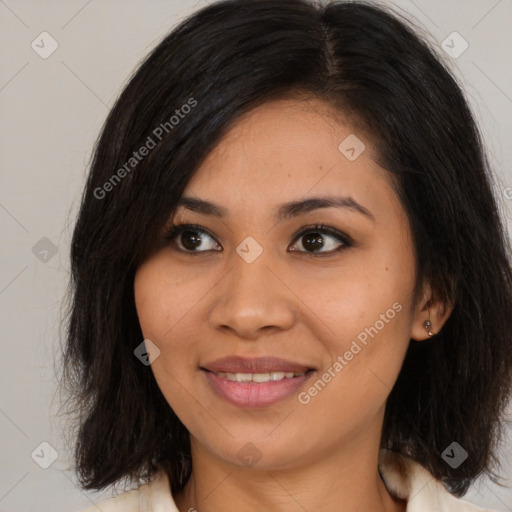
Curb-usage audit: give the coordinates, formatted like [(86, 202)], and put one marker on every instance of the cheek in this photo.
[(148, 303), (369, 312), (357, 295), (162, 300), (159, 312), (166, 302), (364, 364)]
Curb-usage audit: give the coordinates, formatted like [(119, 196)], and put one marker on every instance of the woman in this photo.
[(291, 288)]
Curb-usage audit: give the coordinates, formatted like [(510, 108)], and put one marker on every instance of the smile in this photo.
[(256, 390), (258, 377)]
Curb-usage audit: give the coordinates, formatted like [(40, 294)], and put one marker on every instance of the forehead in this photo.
[(293, 148), (293, 135), (287, 130)]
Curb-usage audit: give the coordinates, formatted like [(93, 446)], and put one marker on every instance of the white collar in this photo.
[(403, 477)]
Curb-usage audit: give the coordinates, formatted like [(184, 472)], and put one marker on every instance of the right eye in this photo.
[(188, 237)]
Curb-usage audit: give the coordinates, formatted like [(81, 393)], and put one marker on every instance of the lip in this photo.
[(254, 395), (267, 364)]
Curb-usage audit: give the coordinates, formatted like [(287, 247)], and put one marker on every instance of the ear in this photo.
[(429, 308)]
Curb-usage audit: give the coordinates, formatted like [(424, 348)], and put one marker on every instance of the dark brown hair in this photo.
[(228, 58)]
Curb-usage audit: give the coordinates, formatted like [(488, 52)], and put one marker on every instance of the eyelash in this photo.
[(176, 229)]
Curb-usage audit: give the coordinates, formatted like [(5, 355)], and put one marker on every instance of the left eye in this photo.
[(188, 237), (313, 239)]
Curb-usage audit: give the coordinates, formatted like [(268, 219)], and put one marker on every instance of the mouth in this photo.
[(258, 378), (255, 383)]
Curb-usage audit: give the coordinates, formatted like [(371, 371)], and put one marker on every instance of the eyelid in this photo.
[(175, 229)]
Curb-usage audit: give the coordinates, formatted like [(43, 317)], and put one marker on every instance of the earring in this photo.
[(428, 325)]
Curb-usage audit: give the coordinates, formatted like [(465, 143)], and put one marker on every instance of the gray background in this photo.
[(52, 111)]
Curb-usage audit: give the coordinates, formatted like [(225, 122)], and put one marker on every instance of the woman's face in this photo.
[(254, 285)]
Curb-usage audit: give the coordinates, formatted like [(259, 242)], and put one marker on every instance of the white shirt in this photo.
[(404, 478)]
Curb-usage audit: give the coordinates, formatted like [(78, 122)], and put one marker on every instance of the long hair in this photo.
[(216, 65)]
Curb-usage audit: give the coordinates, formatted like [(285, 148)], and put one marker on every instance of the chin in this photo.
[(261, 454)]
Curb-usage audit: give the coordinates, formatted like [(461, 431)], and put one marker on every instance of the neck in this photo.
[(346, 475)]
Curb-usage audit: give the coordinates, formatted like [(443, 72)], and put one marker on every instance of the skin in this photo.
[(286, 304)]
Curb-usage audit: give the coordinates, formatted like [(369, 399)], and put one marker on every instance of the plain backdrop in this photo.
[(52, 109)]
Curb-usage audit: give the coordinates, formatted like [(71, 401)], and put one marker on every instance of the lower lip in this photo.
[(252, 394)]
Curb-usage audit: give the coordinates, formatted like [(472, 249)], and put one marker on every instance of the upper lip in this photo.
[(238, 364)]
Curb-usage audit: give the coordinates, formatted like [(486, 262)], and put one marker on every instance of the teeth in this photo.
[(258, 377)]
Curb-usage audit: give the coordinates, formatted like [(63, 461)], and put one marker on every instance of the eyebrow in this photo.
[(285, 211)]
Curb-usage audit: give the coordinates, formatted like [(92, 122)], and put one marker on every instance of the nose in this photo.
[(253, 300)]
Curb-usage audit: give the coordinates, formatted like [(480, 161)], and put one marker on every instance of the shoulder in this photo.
[(405, 478), (154, 495)]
